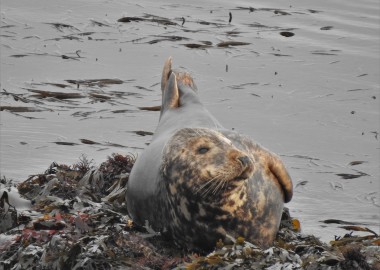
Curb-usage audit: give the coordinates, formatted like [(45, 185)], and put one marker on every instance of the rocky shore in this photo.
[(77, 220)]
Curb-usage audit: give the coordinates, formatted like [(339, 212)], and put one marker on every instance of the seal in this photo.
[(198, 183)]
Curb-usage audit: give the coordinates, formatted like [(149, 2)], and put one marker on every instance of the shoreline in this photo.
[(78, 219)]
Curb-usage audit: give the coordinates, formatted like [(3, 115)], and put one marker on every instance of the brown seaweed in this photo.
[(95, 82), (326, 28), (58, 95), (143, 133), (61, 26), (351, 176), (231, 43), (20, 109), (66, 143), (196, 46), (148, 18)]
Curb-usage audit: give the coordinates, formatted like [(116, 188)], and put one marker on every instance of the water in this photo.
[(312, 98)]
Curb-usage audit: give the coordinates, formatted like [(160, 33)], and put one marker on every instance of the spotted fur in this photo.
[(198, 183), (211, 195)]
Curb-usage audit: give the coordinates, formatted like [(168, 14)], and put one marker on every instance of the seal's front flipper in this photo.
[(170, 95), (278, 170)]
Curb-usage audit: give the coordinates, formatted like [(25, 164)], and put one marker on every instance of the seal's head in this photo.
[(205, 162), (217, 186)]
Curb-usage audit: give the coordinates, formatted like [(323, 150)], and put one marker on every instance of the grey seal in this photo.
[(198, 183)]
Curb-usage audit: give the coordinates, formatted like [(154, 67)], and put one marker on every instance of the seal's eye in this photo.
[(203, 150)]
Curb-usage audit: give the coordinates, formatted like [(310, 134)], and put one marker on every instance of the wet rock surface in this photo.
[(78, 221)]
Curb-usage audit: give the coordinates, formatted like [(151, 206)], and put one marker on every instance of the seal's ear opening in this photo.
[(278, 169)]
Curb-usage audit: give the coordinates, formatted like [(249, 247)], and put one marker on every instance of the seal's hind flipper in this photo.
[(185, 79), (166, 71), (173, 85), (170, 95)]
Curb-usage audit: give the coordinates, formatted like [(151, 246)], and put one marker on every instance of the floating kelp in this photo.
[(61, 26), (19, 97), (143, 133), (274, 10), (97, 23), (243, 85), (357, 162), (326, 27), (18, 55), (60, 85), (20, 109), (147, 18), (58, 95), (66, 143), (351, 175), (322, 52), (232, 43), (196, 46), (167, 38), (100, 96), (95, 82)]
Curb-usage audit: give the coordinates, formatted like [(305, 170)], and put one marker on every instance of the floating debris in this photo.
[(100, 96), (322, 53), (232, 43), (326, 27), (96, 23), (359, 229), (287, 34), (58, 95), (351, 176), (95, 82), (85, 141), (358, 162), (143, 133), (18, 55), (61, 26), (337, 221), (20, 109), (243, 85), (151, 108), (66, 143), (196, 46), (148, 18)]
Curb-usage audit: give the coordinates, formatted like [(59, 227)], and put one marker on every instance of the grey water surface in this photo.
[(300, 77)]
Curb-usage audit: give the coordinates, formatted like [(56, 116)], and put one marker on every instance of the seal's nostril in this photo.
[(244, 160)]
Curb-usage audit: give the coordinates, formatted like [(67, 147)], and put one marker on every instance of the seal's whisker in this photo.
[(215, 185), (208, 182), (215, 191), (207, 191), (212, 184), (205, 184), (225, 185)]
